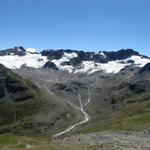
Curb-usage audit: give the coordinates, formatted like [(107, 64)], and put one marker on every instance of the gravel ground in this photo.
[(108, 141)]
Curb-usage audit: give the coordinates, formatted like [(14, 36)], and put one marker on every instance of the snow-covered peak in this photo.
[(31, 50)]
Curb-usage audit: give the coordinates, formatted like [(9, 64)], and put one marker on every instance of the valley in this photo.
[(68, 105), (81, 108)]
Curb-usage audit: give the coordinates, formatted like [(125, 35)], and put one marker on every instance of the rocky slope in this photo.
[(28, 109), (107, 140)]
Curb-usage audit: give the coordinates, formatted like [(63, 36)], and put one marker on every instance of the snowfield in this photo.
[(31, 60), (112, 66)]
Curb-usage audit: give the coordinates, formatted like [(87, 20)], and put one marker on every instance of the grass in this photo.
[(16, 114), (133, 117), (21, 102), (14, 142)]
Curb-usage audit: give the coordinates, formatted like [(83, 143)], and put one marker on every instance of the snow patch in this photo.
[(102, 54), (70, 55), (31, 50), (19, 49), (138, 60), (86, 66), (113, 66)]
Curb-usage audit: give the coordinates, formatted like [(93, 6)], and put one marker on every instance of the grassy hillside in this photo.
[(20, 100), (130, 108), (132, 118), (14, 142)]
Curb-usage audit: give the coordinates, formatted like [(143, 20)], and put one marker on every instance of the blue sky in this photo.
[(76, 24)]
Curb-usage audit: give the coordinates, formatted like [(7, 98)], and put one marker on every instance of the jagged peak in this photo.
[(13, 51), (120, 54)]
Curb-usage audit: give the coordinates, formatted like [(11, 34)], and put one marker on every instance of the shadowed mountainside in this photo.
[(27, 109)]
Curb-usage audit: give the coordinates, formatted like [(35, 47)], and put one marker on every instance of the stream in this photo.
[(81, 108)]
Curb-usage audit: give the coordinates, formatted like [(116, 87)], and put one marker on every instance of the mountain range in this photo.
[(72, 61), (75, 98)]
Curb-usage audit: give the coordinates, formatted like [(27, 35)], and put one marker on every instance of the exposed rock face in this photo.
[(13, 87), (18, 100), (146, 68), (20, 51), (51, 54), (50, 65), (101, 57), (121, 54)]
